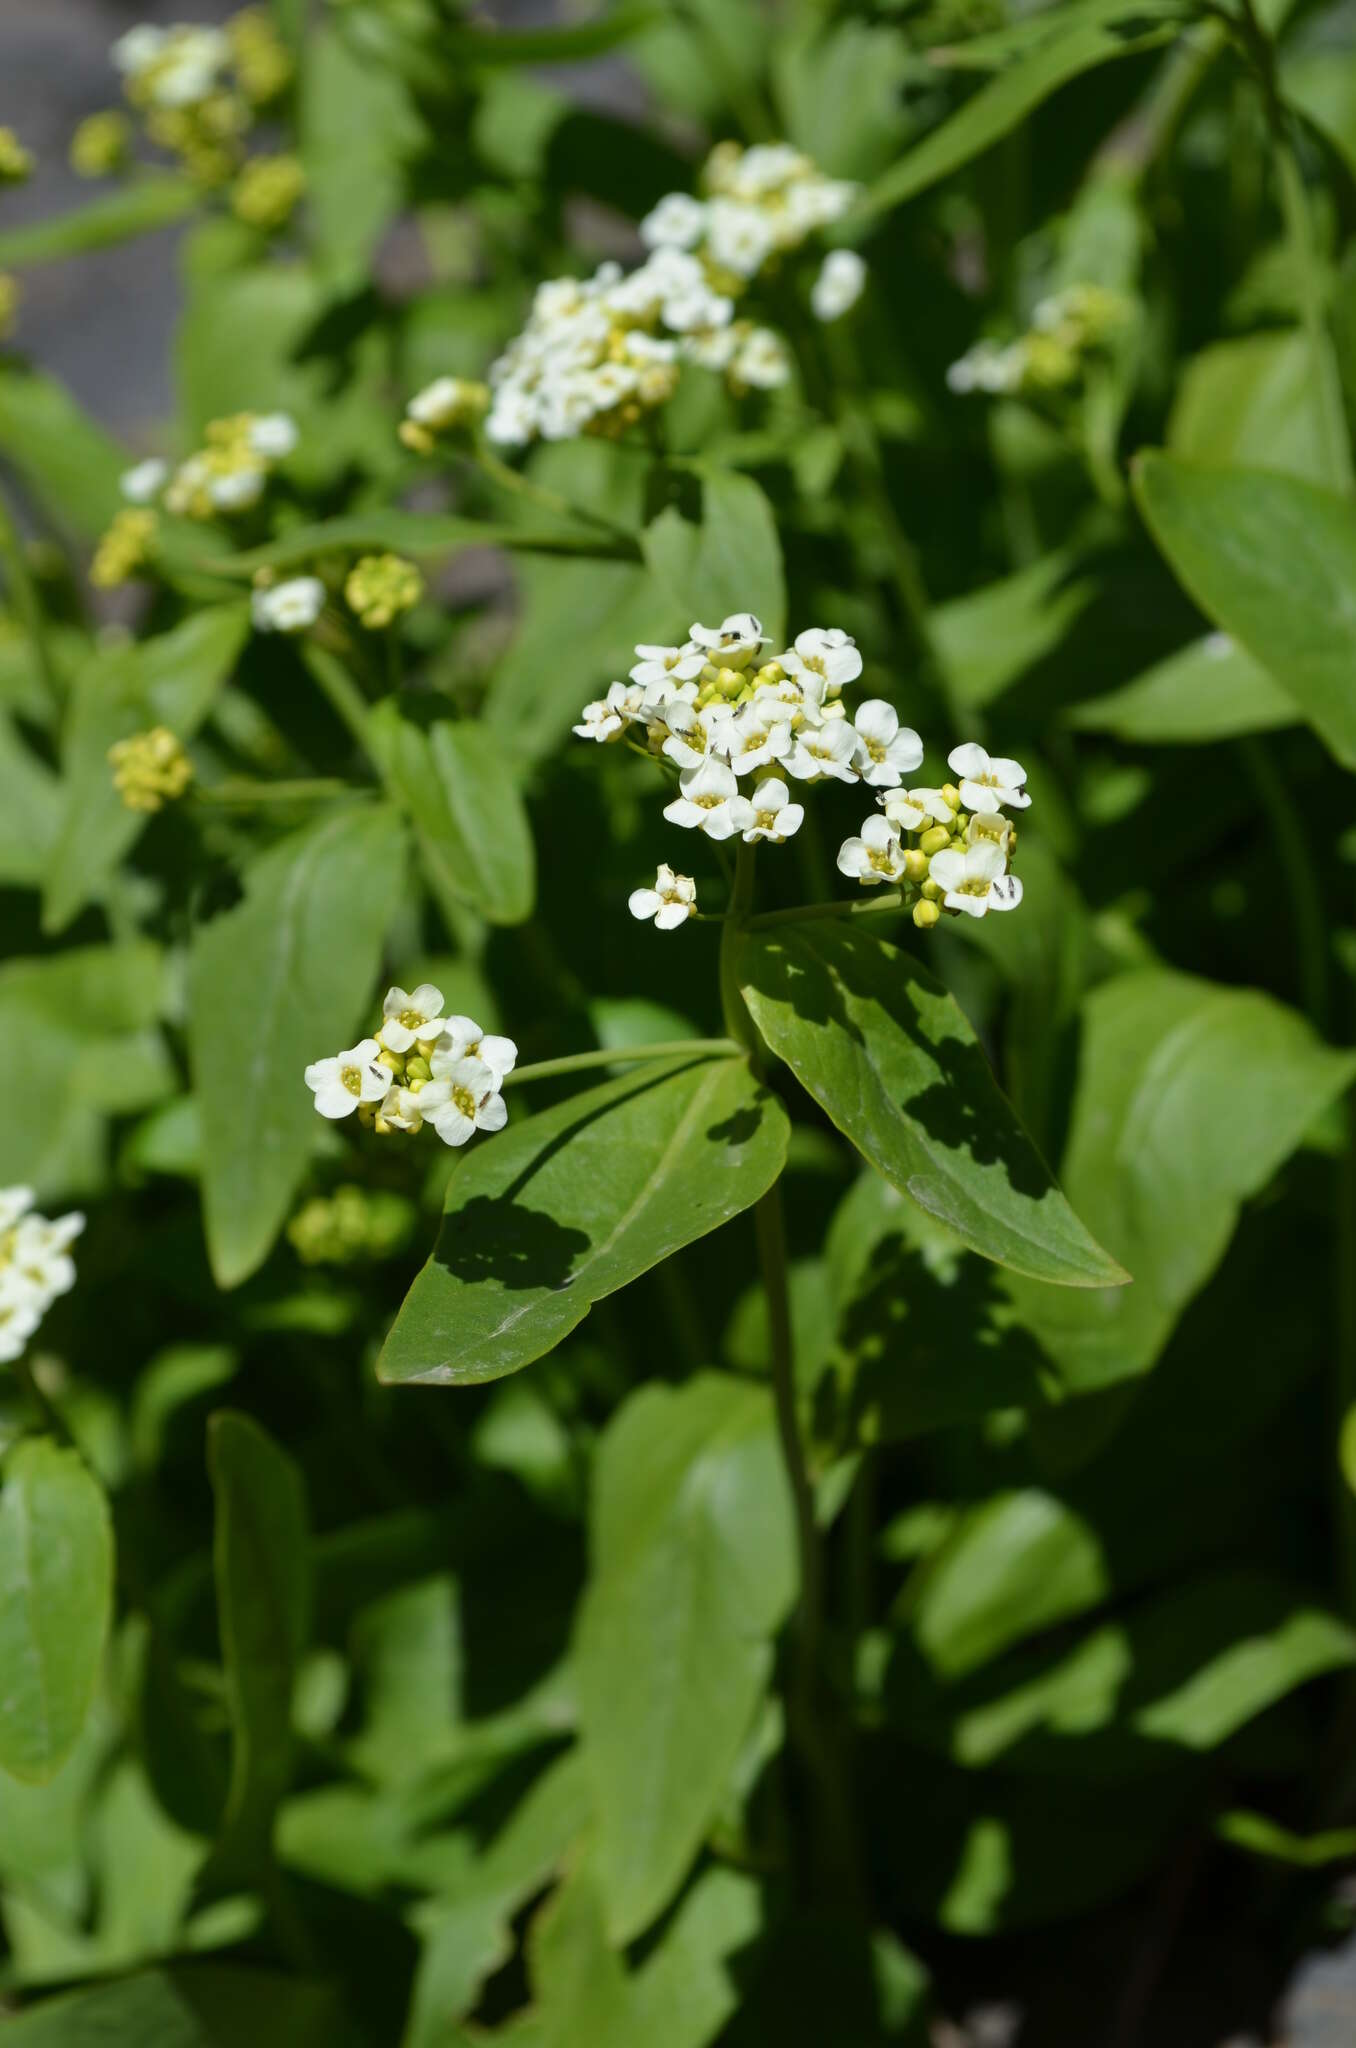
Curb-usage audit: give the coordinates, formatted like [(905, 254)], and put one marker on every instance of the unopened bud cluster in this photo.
[(948, 849), (150, 769), (379, 587), (350, 1224), (1065, 331), (421, 1067), (198, 90), (446, 406), (35, 1266)]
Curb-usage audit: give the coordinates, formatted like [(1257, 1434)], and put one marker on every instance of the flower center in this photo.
[(876, 749), (465, 1101), (883, 862), (352, 1078), (412, 1019)]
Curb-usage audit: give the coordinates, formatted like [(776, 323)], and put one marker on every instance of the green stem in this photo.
[(509, 479), (803, 913), (343, 693), (579, 1062), (24, 592), (51, 1415)]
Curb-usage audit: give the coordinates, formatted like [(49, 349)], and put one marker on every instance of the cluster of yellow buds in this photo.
[(16, 162), (9, 304), (101, 145), (442, 407), (261, 60), (351, 1223), (379, 587), (150, 769), (266, 191), (124, 549)]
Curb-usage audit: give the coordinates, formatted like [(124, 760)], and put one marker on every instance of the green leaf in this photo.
[(457, 788), (1190, 1096), (278, 981), (990, 637), (56, 1598), (1250, 402), (260, 1561), (840, 93), (1211, 690), (86, 1019), (32, 809), (1261, 1836), (1272, 561), (173, 680), (567, 1206), (70, 465), (889, 1056), (1044, 53), (153, 200), (731, 563), (551, 45), (357, 126), (693, 1572), (188, 2005), (426, 536)]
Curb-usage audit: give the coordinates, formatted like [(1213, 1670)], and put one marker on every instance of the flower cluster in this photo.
[(379, 587), (421, 1067), (101, 145), (198, 89), (288, 607), (150, 769), (352, 1223), (35, 1266), (599, 353), (723, 714), (442, 407), (951, 848), (267, 191), (1065, 330), (124, 548)]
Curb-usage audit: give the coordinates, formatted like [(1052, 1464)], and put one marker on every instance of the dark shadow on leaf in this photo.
[(741, 1125), (496, 1238)]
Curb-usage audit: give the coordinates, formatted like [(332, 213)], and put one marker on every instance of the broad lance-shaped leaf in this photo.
[(1190, 1097), (732, 562), (56, 1595), (1210, 690), (280, 980), (260, 1560), (1273, 561), (457, 787), (886, 1052), (693, 1572), (565, 1207), (171, 679), (69, 464)]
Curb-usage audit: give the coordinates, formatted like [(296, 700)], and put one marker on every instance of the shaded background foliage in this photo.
[(391, 1671)]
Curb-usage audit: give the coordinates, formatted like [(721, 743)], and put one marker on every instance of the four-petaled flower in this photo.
[(876, 855), (463, 1039), (708, 801), (738, 636), (671, 902), (351, 1077), (886, 751), (974, 878), (462, 1100), (824, 750), (988, 783), (775, 817), (411, 1014)]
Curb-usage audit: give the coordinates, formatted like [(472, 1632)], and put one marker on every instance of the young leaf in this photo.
[(188, 2005), (887, 1053), (70, 465), (153, 200), (1160, 1158), (693, 1573), (731, 563), (357, 124), (260, 1561), (458, 790), (574, 1203), (1272, 560), (1250, 401), (280, 980), (171, 679), (56, 1596)]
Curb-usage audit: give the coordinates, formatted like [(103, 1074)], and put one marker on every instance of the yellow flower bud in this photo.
[(951, 795), (101, 145), (150, 769), (932, 891), (262, 62), (417, 1070), (934, 839), (391, 1061), (16, 162), (915, 865), (379, 587), (267, 190), (926, 914), (124, 549)]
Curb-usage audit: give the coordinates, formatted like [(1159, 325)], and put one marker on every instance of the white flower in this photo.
[(988, 783), (660, 667), (694, 736), (463, 1039), (236, 490), (144, 481), (839, 285), (827, 653), (138, 47), (671, 902), (709, 801), (740, 635), (975, 878), (445, 402), (886, 750), (988, 366), (696, 309), (758, 734), (20, 1314), (601, 720), (14, 1203), (762, 361), (823, 750), (351, 1077), (512, 418), (911, 809), (738, 237), (288, 607), (775, 817), (677, 222), (411, 1014), (876, 856), (273, 435), (40, 1258), (464, 1099)]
